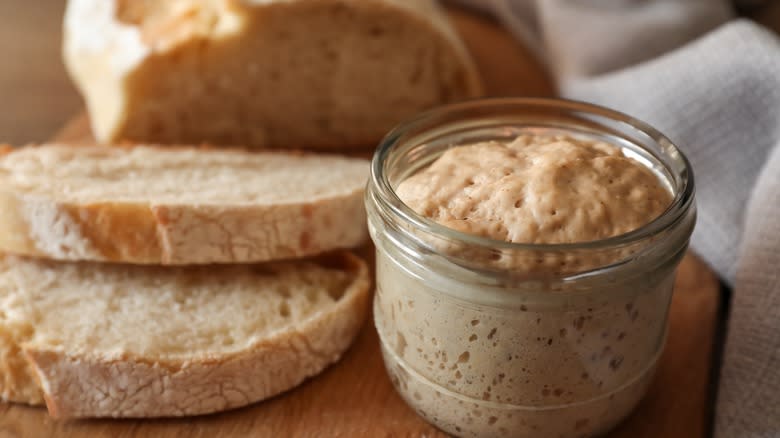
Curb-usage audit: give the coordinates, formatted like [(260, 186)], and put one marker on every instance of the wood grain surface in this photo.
[(354, 398)]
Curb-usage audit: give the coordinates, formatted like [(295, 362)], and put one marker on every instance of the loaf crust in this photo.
[(322, 74), (89, 384), (178, 234)]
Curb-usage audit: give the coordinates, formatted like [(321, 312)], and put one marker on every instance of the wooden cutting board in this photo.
[(354, 398)]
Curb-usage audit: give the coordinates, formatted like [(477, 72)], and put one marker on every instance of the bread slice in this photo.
[(278, 73), (149, 205), (110, 340)]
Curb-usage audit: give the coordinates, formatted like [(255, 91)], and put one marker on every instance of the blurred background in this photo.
[(35, 92), (37, 95)]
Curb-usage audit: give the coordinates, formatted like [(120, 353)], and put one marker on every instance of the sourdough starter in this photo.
[(571, 366)]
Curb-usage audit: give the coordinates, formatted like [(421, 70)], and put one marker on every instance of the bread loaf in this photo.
[(110, 340), (279, 73), (150, 205)]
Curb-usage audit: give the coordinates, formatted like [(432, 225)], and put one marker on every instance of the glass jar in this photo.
[(479, 348)]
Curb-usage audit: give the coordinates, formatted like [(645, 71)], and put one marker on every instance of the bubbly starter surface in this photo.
[(537, 189)]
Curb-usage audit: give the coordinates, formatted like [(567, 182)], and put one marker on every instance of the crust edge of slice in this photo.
[(179, 234), (91, 386)]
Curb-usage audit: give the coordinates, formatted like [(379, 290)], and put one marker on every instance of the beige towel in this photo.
[(711, 83)]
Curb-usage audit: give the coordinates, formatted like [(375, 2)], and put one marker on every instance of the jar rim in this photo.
[(387, 196)]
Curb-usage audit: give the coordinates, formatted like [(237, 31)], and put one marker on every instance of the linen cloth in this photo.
[(711, 82)]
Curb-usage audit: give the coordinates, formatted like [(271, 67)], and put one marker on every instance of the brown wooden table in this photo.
[(355, 398)]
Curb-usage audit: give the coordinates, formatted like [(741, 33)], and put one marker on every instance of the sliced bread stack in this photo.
[(100, 317), (149, 281)]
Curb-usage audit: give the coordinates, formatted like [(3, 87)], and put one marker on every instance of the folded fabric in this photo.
[(719, 99), (712, 84)]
